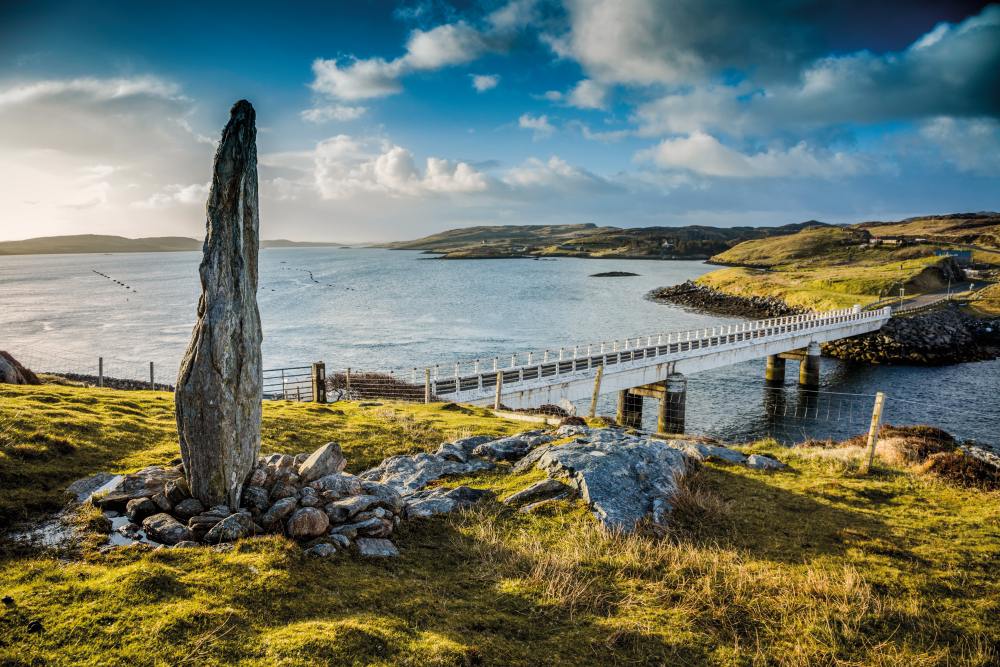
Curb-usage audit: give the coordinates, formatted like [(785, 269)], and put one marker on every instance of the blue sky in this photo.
[(386, 120)]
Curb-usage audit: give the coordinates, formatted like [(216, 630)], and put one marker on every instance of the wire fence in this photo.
[(710, 408)]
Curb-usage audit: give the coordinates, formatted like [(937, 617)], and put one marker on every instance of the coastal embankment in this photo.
[(690, 294), (945, 336)]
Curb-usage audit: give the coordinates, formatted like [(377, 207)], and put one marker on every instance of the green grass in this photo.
[(987, 301), (824, 269), (813, 565), (52, 435)]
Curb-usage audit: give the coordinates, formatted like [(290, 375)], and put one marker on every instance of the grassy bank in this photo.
[(825, 268), (52, 435), (813, 565)]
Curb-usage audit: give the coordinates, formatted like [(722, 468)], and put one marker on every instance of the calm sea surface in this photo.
[(380, 309)]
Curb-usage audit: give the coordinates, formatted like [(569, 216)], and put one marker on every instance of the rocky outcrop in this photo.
[(218, 393), (407, 474), (624, 479), (690, 294), (944, 336), (12, 372)]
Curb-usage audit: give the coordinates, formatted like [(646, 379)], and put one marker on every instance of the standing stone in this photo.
[(219, 386)]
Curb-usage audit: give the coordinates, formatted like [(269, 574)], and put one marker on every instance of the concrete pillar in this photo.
[(629, 409), (809, 368), (774, 372), (672, 405)]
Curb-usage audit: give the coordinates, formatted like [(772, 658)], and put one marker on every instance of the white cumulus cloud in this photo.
[(484, 82), (539, 125), (703, 154)]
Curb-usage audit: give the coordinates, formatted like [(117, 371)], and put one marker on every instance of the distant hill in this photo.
[(98, 243), (514, 234), (589, 240)]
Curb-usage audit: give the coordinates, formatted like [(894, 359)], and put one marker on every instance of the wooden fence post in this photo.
[(152, 382), (427, 385), (319, 382), (597, 390), (100, 371), (866, 462), (347, 379), (496, 401)]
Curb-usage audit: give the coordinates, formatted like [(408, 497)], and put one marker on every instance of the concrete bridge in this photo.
[(652, 366)]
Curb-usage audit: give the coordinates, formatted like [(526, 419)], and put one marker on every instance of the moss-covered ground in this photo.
[(811, 565)]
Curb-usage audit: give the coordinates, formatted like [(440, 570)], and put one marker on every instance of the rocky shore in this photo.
[(945, 336), (690, 294)]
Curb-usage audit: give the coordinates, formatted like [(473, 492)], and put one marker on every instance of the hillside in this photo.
[(897, 567), (977, 229), (588, 240), (835, 267), (98, 243)]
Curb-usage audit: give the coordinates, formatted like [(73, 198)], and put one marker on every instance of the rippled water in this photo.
[(377, 309)]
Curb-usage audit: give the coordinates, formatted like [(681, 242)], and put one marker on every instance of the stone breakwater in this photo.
[(625, 478), (690, 294), (944, 336)]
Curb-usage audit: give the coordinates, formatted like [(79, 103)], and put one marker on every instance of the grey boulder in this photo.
[(624, 481), (375, 548), (188, 508), (407, 474), (700, 451), (307, 522), (140, 508), (143, 484), (278, 511), (337, 485), (230, 529), (165, 529), (321, 550), (758, 462), (326, 460)]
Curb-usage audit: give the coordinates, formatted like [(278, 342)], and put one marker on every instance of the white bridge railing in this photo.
[(466, 380)]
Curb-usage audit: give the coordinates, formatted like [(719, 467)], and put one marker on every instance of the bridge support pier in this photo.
[(670, 418), (774, 372), (809, 367), (629, 409)]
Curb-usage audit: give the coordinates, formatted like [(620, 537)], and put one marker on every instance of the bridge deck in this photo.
[(636, 361)]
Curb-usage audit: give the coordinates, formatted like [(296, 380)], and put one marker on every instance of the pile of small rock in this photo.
[(624, 477), (306, 497)]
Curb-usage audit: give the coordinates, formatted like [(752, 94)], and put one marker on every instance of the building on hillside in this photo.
[(889, 240)]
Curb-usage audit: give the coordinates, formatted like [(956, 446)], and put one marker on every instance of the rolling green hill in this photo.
[(836, 267), (588, 240), (99, 243)]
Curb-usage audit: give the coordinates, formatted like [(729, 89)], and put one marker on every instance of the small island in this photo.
[(613, 274)]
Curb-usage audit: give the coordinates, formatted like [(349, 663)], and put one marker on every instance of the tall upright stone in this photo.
[(218, 393)]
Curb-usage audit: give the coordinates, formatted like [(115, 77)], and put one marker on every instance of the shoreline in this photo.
[(694, 296), (937, 338)]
